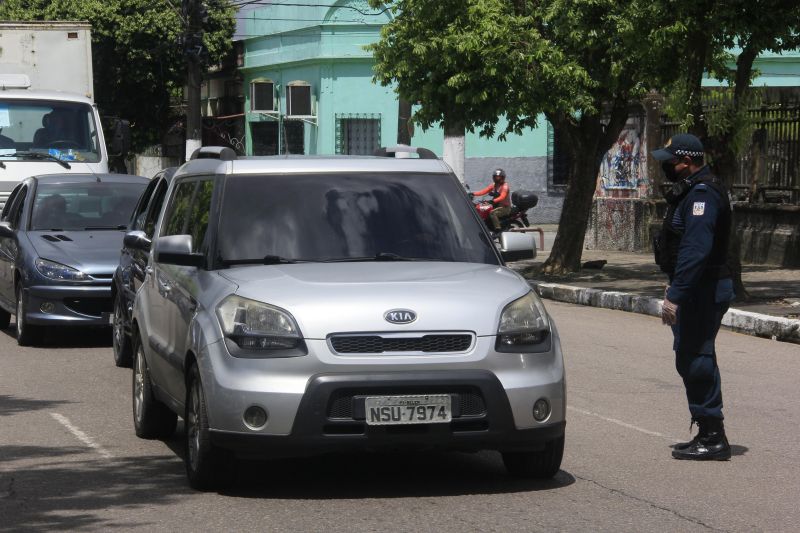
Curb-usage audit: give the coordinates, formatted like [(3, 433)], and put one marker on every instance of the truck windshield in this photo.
[(84, 206), (349, 217), (64, 130)]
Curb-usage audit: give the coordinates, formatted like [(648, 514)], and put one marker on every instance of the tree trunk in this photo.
[(453, 153), (403, 116)]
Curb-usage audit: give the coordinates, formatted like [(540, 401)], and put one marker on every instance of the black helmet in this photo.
[(499, 175)]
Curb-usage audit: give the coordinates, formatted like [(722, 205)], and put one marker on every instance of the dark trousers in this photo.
[(695, 355), (496, 214)]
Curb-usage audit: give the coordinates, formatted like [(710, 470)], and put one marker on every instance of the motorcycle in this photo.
[(521, 202)]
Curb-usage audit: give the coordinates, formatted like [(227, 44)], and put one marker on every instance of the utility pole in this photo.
[(193, 51)]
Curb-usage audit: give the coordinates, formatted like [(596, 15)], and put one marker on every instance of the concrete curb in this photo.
[(759, 325)]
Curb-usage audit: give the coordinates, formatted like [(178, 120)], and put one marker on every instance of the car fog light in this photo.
[(255, 417), (541, 409), (47, 307)]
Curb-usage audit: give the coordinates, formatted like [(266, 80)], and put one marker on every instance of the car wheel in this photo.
[(5, 319), (207, 466), (123, 351), (26, 333), (541, 464), (151, 418)]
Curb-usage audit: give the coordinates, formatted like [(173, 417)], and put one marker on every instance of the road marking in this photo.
[(624, 424), (81, 436)]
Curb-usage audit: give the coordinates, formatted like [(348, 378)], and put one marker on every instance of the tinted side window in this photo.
[(155, 208), (15, 215), (189, 211), (10, 202), (141, 207)]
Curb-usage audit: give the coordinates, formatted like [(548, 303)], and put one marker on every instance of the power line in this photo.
[(270, 3)]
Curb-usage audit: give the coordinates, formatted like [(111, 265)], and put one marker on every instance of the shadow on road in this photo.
[(10, 405), (67, 494), (69, 337)]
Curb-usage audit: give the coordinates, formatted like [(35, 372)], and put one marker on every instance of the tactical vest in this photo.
[(666, 243)]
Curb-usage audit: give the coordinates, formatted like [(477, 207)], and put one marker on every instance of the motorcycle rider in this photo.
[(501, 198)]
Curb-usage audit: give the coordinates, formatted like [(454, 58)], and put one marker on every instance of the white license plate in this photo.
[(417, 409)]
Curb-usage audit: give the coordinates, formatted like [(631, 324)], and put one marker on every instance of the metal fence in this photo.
[(769, 165)]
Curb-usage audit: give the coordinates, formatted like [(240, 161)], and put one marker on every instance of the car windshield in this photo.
[(32, 128), (84, 206), (349, 217)]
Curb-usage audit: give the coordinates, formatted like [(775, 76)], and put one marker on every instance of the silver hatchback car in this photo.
[(298, 306)]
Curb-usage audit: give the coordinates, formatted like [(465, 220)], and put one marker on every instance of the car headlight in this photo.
[(524, 325), (256, 326), (59, 272)]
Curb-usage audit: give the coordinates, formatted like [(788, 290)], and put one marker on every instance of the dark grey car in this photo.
[(130, 272), (60, 237)]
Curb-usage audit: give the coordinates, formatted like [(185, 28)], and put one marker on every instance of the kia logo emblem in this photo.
[(400, 316)]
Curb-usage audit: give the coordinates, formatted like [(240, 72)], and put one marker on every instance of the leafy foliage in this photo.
[(138, 60), (578, 62)]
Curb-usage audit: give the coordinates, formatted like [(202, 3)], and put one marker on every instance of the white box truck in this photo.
[(48, 120)]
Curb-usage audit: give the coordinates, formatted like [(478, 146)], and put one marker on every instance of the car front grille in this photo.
[(433, 343), (89, 306)]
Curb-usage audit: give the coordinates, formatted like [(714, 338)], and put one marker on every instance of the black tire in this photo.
[(542, 464), (5, 319), (207, 466), (121, 341), (27, 334), (151, 418)]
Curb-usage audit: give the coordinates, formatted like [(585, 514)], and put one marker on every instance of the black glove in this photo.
[(471, 195)]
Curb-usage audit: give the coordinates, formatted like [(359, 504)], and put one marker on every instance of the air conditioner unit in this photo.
[(299, 100), (262, 96)]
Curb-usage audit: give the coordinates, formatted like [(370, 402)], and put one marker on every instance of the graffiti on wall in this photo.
[(624, 167)]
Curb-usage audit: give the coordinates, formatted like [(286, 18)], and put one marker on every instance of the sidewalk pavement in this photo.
[(632, 282)]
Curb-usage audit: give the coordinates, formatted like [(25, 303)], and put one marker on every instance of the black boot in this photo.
[(701, 432), (712, 446)]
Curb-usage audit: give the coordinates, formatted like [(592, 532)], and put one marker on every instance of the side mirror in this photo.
[(6, 230), (137, 240), (177, 250), (121, 137), (517, 246)]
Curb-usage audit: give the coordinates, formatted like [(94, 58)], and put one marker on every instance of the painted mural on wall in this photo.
[(623, 170)]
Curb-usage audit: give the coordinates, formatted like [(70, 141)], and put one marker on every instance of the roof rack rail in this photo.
[(223, 153), (395, 151)]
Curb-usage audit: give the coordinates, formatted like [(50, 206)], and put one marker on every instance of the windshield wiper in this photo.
[(380, 256), (266, 260), (42, 156), (120, 226)]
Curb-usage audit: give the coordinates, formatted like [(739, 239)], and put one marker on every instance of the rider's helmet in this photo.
[(499, 176)]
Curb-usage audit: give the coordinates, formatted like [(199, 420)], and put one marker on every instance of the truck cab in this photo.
[(44, 132)]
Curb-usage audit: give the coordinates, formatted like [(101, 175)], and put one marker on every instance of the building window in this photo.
[(262, 96), (558, 161), (298, 100), (266, 141), (358, 134)]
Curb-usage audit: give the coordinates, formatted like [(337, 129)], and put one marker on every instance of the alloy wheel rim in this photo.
[(20, 312), (117, 325), (192, 431), (138, 385)]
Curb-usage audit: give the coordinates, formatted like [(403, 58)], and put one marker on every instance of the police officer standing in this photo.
[(692, 248)]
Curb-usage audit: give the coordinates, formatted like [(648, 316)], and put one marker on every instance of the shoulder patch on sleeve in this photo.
[(698, 208)]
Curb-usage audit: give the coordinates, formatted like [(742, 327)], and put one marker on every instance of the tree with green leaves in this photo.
[(138, 58), (580, 63), (723, 40)]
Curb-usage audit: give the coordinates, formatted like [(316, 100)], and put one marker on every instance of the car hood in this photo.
[(328, 298), (92, 252)]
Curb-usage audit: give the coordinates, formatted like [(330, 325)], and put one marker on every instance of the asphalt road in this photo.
[(69, 459)]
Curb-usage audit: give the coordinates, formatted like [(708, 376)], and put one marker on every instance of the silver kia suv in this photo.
[(304, 305)]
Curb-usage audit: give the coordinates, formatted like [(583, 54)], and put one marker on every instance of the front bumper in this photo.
[(88, 305), (330, 416)]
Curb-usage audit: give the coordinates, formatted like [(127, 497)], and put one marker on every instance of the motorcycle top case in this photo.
[(524, 199)]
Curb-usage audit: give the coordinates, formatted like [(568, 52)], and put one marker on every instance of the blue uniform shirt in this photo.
[(697, 216)]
